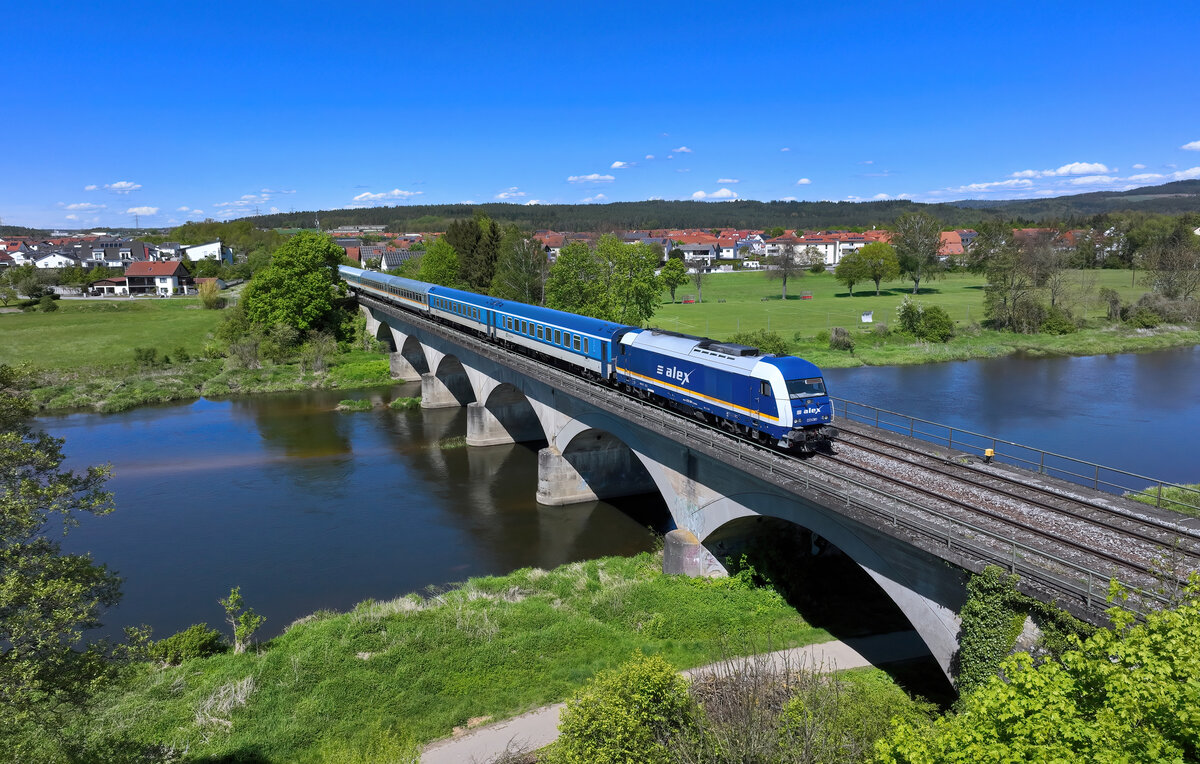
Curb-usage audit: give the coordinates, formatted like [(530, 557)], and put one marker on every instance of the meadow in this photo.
[(412, 669), (746, 301)]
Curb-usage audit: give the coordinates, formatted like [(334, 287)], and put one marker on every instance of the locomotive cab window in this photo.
[(765, 388), (805, 388)]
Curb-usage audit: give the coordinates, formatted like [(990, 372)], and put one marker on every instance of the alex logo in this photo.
[(809, 411), (678, 375)]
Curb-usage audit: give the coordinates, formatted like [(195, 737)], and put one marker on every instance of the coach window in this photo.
[(539, 332), (557, 337), (576, 341), (585, 344)]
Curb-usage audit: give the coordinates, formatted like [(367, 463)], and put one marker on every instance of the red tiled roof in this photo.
[(169, 268)]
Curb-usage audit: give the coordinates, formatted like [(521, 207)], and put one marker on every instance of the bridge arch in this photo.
[(448, 385), (594, 464), (504, 415)]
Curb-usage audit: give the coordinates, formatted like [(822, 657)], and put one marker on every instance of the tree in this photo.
[(440, 264), (785, 266), (47, 598), (614, 281), (520, 268), (1172, 268), (673, 275), (880, 262), (698, 277), (1126, 693), (299, 287), (774, 232), (851, 270), (244, 621), (918, 239), (210, 295)]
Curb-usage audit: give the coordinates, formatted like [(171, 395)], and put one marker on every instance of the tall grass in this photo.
[(419, 666)]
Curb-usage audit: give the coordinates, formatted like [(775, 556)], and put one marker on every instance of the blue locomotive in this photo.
[(779, 400)]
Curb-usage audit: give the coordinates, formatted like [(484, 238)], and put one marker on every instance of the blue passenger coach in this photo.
[(776, 399)]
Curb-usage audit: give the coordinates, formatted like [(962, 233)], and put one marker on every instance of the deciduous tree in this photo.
[(673, 275), (785, 266), (47, 598), (300, 285), (879, 262), (917, 241), (520, 268), (440, 264), (850, 271)]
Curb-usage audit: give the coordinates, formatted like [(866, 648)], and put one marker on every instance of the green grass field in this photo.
[(752, 301), (104, 332), (416, 667)]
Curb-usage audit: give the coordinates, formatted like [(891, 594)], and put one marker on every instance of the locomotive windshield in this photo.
[(805, 388)]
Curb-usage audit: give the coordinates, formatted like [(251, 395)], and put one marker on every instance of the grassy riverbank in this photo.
[(81, 356), (414, 668)]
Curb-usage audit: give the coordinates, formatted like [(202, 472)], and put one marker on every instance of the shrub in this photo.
[(816, 268), (908, 315), (401, 404), (623, 715), (1143, 318), (47, 304), (936, 325), (350, 404), (145, 357), (1112, 302), (1057, 321), (196, 641), (881, 330), (767, 342), (182, 355), (840, 339), (210, 295), (1179, 311)]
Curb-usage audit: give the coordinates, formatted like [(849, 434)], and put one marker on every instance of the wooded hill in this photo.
[(1170, 198)]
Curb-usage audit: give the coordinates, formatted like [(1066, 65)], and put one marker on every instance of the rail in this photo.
[(1098, 476), (1083, 586)]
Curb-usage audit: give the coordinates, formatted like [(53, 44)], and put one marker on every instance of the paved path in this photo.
[(540, 727)]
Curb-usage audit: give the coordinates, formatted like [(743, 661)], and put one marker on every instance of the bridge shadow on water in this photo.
[(830, 591)]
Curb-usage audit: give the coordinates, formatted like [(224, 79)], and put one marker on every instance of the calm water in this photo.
[(308, 508)]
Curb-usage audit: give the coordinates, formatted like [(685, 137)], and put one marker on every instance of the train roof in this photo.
[(725, 354), (597, 327), (400, 282)]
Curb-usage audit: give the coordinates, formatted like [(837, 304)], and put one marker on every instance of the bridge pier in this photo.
[(402, 368), (595, 469), (435, 394), (484, 429)]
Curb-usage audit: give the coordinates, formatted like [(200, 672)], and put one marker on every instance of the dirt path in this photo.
[(540, 727)]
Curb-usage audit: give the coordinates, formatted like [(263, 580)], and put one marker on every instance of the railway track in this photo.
[(1038, 515)]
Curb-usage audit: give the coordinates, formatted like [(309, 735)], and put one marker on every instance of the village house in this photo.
[(162, 279)]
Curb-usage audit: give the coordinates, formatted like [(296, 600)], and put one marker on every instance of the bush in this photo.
[(1143, 318), (767, 342), (1058, 321), (145, 357), (182, 355), (881, 330), (47, 304), (840, 339), (1180, 311), (816, 268), (400, 404), (196, 641), (623, 715), (936, 325), (908, 315)]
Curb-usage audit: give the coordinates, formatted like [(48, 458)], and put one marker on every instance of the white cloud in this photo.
[(594, 199), (533, 201), (803, 182), (90, 187), (84, 206), (903, 196), (682, 150), (853, 198), (1091, 180), (511, 193), (728, 180), (182, 209), (197, 212), (593, 178), (366, 196), (278, 191), (122, 186), (880, 197), (72, 217), (998, 185), (142, 211), (468, 201), (785, 148), (789, 199), (1139, 166), (654, 198), (1193, 146), (620, 165), (723, 193), (867, 161), (1074, 168), (649, 156), (1189, 174)]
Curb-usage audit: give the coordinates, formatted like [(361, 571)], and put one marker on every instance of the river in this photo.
[(308, 508)]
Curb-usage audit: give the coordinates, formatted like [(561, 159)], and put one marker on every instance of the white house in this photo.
[(210, 251), (55, 260)]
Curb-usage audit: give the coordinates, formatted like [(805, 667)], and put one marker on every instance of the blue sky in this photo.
[(178, 111)]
